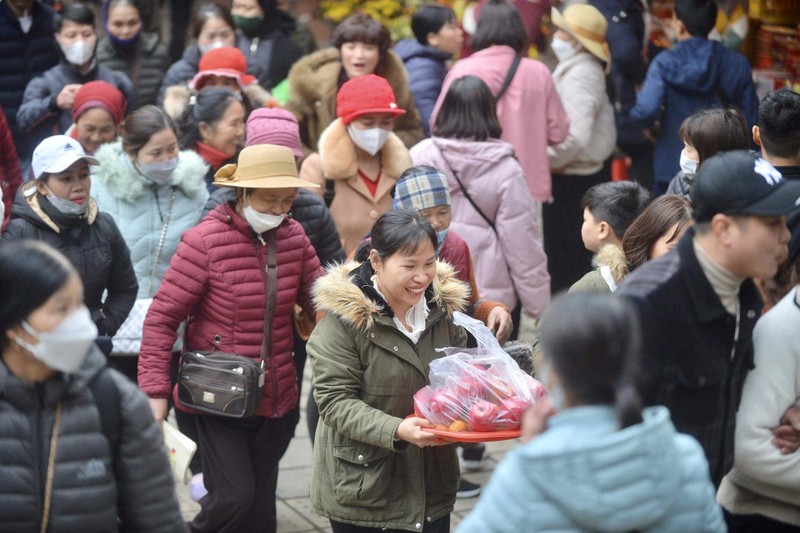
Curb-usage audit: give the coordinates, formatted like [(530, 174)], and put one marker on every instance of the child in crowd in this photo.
[(437, 39), (704, 134), (608, 209), (778, 131), (600, 462)]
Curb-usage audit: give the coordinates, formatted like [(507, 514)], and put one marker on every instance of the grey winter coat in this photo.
[(144, 63), (93, 244), (40, 116), (97, 487)]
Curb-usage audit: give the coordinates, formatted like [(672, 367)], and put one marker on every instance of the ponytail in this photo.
[(627, 404)]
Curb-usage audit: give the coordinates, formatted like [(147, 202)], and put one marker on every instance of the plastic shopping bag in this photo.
[(477, 389)]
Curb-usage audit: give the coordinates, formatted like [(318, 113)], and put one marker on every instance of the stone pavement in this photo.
[(294, 507)]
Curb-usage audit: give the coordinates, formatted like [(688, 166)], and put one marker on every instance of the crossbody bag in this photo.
[(227, 384)]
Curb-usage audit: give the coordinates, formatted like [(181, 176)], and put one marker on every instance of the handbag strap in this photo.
[(466, 193), (161, 240), (512, 70), (272, 297), (51, 468)]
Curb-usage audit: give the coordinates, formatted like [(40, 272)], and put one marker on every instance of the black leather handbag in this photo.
[(227, 384)]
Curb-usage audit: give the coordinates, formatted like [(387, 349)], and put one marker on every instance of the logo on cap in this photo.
[(68, 147), (770, 174)]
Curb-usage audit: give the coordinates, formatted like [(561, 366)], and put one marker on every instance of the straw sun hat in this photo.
[(262, 166), (588, 26)]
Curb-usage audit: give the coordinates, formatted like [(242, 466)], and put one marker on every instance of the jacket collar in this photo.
[(42, 213), (705, 301), (581, 57), (338, 156), (347, 292)]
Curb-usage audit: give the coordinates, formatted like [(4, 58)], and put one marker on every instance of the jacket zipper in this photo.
[(728, 389), (40, 476), (273, 376)]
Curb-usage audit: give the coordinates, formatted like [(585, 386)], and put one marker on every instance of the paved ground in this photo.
[(294, 506)]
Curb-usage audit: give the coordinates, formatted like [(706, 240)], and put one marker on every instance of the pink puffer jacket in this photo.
[(216, 281)]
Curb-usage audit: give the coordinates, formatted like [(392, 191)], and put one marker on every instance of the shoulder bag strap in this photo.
[(51, 469), (272, 297), (512, 70), (466, 192)]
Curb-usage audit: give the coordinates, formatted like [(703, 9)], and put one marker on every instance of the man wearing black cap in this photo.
[(698, 304)]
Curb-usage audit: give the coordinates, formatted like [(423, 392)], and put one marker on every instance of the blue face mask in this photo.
[(440, 236), (123, 43)]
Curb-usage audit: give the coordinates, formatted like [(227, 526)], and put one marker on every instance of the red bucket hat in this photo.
[(363, 95), (227, 61)]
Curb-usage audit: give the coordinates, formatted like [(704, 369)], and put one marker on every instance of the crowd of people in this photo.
[(266, 199)]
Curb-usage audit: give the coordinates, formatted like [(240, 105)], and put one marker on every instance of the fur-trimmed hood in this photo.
[(338, 154), (346, 291), (27, 205), (611, 256), (124, 182)]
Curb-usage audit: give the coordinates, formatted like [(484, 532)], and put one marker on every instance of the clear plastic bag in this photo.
[(477, 389)]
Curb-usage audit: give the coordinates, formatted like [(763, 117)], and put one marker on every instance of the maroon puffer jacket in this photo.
[(215, 279)]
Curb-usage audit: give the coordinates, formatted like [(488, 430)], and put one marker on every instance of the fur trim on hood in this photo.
[(337, 154), (122, 180), (344, 292), (29, 197), (611, 255)]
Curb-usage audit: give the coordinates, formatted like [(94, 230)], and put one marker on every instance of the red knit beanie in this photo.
[(99, 94), (363, 95)]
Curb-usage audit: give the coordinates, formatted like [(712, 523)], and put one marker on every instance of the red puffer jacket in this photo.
[(215, 279)]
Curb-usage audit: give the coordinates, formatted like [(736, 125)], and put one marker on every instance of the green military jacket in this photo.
[(365, 375)]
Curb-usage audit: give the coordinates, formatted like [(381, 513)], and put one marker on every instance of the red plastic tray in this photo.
[(473, 436)]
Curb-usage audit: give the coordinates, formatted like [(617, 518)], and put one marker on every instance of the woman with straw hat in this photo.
[(578, 162), (217, 281)]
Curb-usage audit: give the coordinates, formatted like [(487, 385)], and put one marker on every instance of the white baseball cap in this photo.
[(56, 154)]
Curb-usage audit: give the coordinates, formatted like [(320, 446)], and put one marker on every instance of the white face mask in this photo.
[(688, 166), (206, 48), (78, 53), (159, 172), (261, 222), (66, 346), (562, 49), (371, 140), (555, 390), (65, 206)]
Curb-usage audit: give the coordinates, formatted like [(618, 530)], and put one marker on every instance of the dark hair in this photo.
[(430, 19), (30, 273), (715, 130), (398, 231), (209, 106), (108, 4), (77, 13), (657, 218), (206, 12), (468, 111), (364, 29), (593, 342), (139, 126), (499, 23), (616, 203), (779, 123), (699, 16)]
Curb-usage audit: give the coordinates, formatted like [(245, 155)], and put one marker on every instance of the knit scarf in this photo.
[(215, 158)]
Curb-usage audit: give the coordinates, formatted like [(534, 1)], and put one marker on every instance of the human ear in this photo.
[(204, 128), (757, 135), (603, 231), (374, 260), (433, 39)]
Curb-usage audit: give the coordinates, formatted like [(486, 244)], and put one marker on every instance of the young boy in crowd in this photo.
[(695, 74), (437, 39), (608, 209), (778, 131)]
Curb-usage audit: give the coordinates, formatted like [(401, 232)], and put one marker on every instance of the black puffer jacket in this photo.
[(144, 63), (94, 488), (93, 244), (181, 71), (22, 57), (310, 211), (40, 116)]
